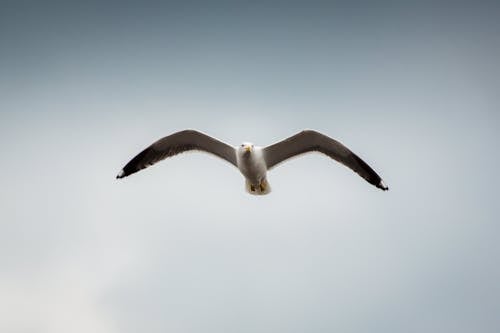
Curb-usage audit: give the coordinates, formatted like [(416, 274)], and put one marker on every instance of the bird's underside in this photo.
[(253, 162)]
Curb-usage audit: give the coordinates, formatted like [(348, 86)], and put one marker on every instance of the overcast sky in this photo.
[(180, 247)]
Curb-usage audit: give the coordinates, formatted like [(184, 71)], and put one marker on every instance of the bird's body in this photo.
[(252, 161), (252, 165)]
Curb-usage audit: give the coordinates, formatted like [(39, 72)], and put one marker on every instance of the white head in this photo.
[(245, 149)]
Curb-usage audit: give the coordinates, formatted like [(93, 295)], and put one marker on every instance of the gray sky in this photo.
[(412, 88)]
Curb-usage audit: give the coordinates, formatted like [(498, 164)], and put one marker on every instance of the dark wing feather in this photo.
[(175, 144), (307, 141)]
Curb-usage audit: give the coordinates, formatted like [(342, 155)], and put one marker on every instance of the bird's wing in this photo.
[(307, 141), (177, 143)]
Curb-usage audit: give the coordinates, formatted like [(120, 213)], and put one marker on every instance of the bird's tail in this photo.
[(261, 189)]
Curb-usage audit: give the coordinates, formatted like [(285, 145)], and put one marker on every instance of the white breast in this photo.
[(253, 165)]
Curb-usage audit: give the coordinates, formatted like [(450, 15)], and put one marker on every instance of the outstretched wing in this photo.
[(175, 144), (307, 141)]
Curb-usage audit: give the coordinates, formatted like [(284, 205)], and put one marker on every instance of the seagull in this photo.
[(252, 161)]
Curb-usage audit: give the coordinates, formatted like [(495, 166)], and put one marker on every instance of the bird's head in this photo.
[(245, 149)]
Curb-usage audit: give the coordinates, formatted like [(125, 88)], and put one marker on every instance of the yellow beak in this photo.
[(248, 148)]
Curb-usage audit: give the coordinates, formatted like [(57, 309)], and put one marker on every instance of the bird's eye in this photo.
[(242, 145)]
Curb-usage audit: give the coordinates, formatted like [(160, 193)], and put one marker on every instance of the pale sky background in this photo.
[(413, 88)]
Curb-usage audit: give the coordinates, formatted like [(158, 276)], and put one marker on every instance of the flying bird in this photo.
[(252, 161)]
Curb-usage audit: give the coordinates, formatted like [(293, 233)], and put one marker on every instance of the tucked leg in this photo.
[(263, 185)]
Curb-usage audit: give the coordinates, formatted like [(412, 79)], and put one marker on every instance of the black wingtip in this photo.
[(381, 185), (121, 174)]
